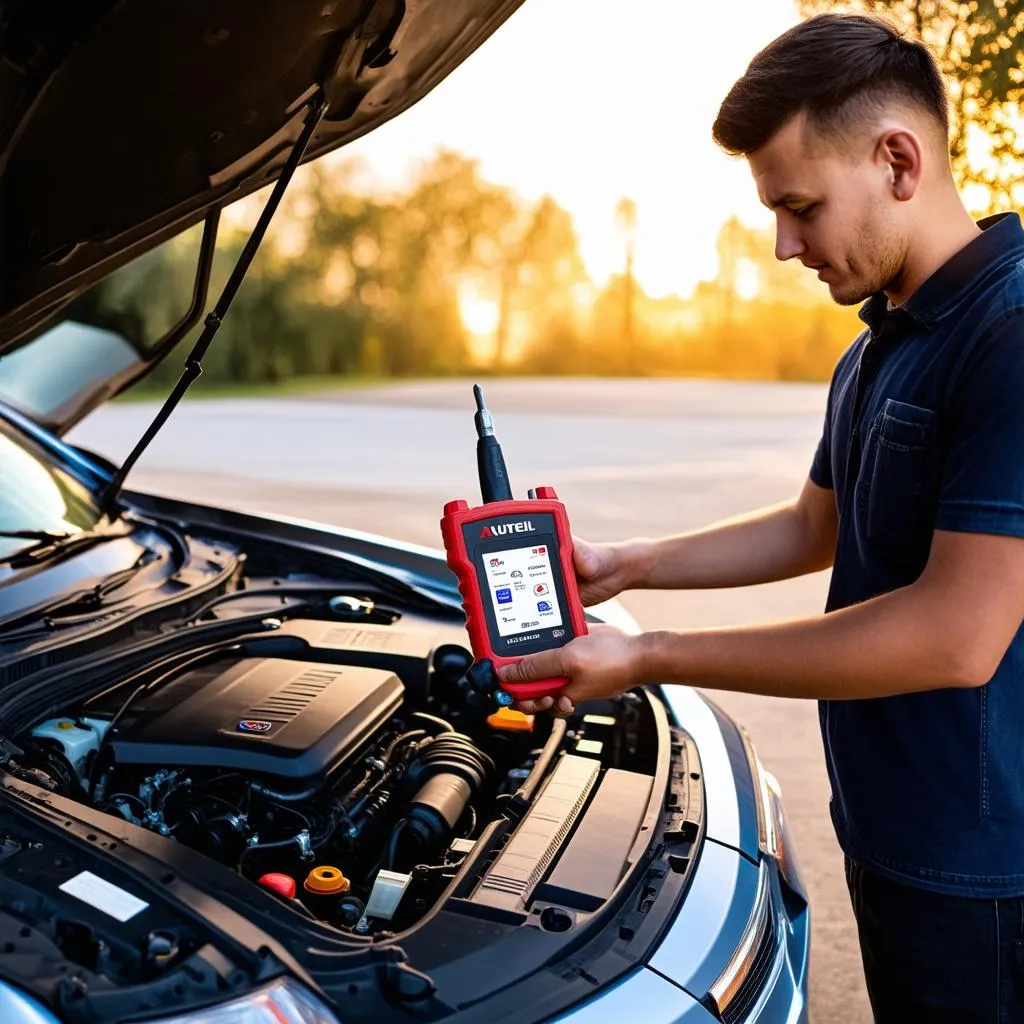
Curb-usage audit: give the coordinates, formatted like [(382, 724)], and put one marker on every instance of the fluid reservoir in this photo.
[(76, 738), (323, 888)]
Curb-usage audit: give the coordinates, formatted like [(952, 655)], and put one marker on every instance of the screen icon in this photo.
[(543, 606), (539, 589), (515, 573), (495, 562), (504, 595)]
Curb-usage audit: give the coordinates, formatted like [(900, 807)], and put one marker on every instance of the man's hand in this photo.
[(604, 663), (603, 571)]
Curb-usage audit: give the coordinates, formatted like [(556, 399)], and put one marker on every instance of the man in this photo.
[(915, 498)]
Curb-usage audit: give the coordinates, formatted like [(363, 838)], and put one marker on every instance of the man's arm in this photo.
[(950, 628), (775, 543)]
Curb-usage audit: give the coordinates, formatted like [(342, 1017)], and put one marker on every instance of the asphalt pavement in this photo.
[(629, 458)]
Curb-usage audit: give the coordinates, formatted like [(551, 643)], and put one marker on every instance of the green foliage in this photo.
[(980, 48)]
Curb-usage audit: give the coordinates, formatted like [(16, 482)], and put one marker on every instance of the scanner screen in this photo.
[(522, 588)]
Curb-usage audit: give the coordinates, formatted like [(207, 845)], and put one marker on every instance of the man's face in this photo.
[(834, 211)]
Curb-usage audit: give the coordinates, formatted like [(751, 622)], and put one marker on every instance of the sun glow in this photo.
[(748, 279), (478, 313)]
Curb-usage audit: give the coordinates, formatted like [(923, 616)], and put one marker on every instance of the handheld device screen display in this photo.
[(522, 588)]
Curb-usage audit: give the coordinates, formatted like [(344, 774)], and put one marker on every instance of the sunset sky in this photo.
[(590, 101)]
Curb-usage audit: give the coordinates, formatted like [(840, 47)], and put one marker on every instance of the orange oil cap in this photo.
[(508, 720), (326, 880)]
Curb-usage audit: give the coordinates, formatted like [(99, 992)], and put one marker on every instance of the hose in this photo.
[(523, 796), (412, 734), (392, 847), (440, 722), (284, 796)]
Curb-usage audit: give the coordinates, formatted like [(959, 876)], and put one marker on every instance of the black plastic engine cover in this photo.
[(288, 718)]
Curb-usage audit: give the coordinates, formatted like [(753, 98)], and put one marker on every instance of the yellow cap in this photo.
[(509, 720), (65, 724), (326, 880)]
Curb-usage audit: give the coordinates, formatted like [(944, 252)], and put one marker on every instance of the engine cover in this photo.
[(287, 718)]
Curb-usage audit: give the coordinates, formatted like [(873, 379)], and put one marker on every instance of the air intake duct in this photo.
[(445, 777)]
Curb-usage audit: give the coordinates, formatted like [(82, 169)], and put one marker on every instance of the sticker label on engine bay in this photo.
[(104, 895)]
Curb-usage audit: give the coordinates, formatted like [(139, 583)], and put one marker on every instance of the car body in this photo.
[(242, 774)]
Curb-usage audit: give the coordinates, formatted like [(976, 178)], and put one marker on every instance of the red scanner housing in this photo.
[(475, 536)]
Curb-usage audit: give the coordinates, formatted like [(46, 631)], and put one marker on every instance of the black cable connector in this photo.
[(490, 463)]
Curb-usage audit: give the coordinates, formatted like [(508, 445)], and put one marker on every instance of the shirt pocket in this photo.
[(896, 490)]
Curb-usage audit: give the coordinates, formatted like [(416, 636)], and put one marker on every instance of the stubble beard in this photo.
[(885, 271)]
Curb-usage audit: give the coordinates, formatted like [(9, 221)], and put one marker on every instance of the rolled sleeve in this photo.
[(982, 485), (821, 464)]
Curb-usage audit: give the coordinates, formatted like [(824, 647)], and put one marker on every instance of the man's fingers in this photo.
[(561, 705), (545, 665), (585, 558)]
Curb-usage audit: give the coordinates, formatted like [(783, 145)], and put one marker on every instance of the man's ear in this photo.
[(901, 153)]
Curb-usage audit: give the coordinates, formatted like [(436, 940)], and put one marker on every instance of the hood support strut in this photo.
[(193, 364)]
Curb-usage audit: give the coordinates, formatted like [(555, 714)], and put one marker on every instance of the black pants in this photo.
[(938, 959)]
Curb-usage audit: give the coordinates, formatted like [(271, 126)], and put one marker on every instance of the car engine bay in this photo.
[(342, 765), (272, 747)]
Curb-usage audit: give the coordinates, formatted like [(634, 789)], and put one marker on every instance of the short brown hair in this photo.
[(837, 67)]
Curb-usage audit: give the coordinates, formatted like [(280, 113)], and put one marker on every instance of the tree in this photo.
[(980, 47), (540, 273), (403, 259)]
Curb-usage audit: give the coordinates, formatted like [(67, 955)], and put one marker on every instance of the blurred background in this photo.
[(557, 206)]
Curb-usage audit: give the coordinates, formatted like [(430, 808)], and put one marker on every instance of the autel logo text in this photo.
[(500, 529)]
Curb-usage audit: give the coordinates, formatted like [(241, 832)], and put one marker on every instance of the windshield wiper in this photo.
[(53, 542), (40, 535)]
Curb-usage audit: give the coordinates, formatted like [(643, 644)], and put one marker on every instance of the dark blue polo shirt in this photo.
[(924, 430)]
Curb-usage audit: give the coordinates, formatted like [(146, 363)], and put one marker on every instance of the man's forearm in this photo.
[(760, 547), (900, 642)]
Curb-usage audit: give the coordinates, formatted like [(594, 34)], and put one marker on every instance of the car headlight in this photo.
[(282, 1002), (743, 975), (772, 830)]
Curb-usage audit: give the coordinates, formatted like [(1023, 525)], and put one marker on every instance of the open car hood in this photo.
[(123, 122)]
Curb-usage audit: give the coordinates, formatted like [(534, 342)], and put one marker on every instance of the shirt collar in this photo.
[(1001, 236)]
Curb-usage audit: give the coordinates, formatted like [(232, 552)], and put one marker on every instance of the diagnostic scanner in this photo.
[(513, 561)]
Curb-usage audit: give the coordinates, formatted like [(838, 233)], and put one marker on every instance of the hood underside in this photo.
[(122, 122)]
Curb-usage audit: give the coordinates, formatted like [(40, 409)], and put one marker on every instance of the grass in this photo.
[(145, 391)]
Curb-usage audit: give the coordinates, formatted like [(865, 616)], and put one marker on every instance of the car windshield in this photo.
[(37, 496), (104, 339)]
